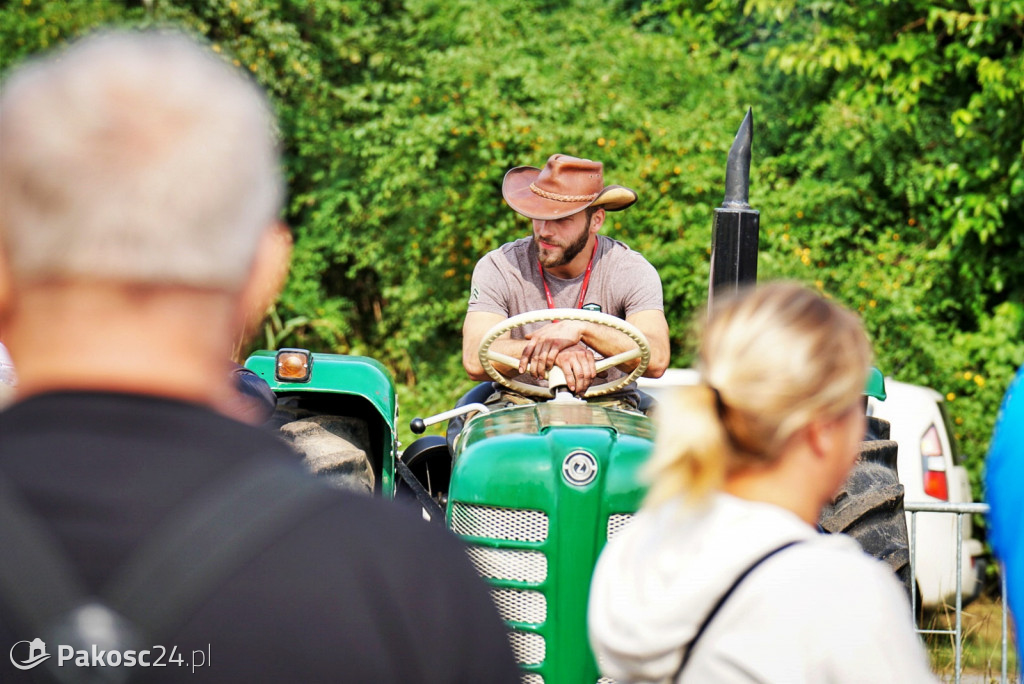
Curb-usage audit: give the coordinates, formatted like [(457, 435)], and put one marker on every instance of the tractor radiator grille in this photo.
[(516, 605), (618, 522), (499, 523), (532, 678), (528, 647), (605, 680), (509, 564)]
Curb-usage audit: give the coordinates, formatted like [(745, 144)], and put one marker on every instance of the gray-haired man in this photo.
[(138, 234)]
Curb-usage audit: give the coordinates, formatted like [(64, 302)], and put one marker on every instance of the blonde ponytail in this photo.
[(690, 446)]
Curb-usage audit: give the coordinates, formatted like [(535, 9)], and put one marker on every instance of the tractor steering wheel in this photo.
[(555, 376)]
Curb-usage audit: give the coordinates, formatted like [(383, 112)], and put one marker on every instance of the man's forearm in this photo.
[(504, 345), (609, 342)]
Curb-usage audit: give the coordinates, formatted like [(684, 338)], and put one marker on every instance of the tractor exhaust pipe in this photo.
[(734, 234)]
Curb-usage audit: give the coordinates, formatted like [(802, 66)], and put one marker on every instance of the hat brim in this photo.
[(515, 188)]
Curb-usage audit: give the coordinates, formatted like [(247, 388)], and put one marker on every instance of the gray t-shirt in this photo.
[(506, 281)]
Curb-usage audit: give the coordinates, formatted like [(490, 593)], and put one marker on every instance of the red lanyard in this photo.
[(583, 289)]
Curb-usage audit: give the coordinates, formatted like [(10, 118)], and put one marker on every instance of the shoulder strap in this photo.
[(721, 602), (166, 579), (37, 583)]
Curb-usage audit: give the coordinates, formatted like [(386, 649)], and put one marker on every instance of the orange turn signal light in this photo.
[(293, 365)]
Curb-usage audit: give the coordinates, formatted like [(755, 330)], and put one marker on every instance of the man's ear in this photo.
[(266, 277), (596, 221)]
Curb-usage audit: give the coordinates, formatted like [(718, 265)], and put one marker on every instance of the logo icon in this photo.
[(579, 468), (36, 654), (592, 306)]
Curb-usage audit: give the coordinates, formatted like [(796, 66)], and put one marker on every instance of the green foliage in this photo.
[(890, 171), (888, 158)]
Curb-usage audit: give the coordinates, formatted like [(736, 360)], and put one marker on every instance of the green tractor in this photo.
[(535, 490)]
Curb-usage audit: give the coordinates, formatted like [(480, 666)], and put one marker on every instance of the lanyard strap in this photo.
[(583, 289)]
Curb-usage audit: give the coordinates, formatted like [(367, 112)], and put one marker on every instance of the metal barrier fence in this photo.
[(959, 510)]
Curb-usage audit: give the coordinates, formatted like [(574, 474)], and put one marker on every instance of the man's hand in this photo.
[(577, 362), (544, 346)]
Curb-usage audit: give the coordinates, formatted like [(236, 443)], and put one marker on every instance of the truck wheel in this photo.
[(335, 448), (869, 507)]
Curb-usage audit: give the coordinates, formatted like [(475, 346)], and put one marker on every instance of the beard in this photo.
[(569, 252), (575, 248)]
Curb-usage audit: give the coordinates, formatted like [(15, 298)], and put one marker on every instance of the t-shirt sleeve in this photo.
[(488, 291), (645, 287)]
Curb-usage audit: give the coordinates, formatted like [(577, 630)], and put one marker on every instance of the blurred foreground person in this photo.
[(141, 528), (743, 464), (1004, 475)]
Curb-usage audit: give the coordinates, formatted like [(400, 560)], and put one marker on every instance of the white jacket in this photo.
[(820, 611)]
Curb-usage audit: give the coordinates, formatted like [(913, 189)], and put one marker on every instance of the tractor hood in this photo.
[(536, 420)]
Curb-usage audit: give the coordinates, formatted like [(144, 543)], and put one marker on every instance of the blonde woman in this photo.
[(723, 576)]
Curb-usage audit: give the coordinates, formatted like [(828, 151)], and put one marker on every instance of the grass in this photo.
[(982, 642)]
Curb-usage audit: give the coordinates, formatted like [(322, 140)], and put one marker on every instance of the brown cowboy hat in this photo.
[(563, 187)]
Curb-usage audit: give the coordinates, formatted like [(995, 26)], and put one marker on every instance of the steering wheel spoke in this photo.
[(502, 358), (606, 363)]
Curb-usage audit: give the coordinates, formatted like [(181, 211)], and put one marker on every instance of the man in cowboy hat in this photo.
[(565, 263)]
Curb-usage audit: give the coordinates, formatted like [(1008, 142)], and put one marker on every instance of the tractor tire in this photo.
[(335, 448), (877, 429), (869, 506)]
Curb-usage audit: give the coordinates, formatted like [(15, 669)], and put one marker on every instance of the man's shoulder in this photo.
[(509, 262), (620, 249), (111, 416), (622, 258)]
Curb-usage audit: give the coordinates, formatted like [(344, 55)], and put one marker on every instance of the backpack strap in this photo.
[(721, 602), (37, 582), (172, 572)]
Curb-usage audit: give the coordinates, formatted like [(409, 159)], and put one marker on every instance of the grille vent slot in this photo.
[(618, 522), (509, 564), (510, 524), (516, 605), (529, 648)]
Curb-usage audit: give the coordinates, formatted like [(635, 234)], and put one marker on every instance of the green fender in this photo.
[(875, 386), (353, 376)]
